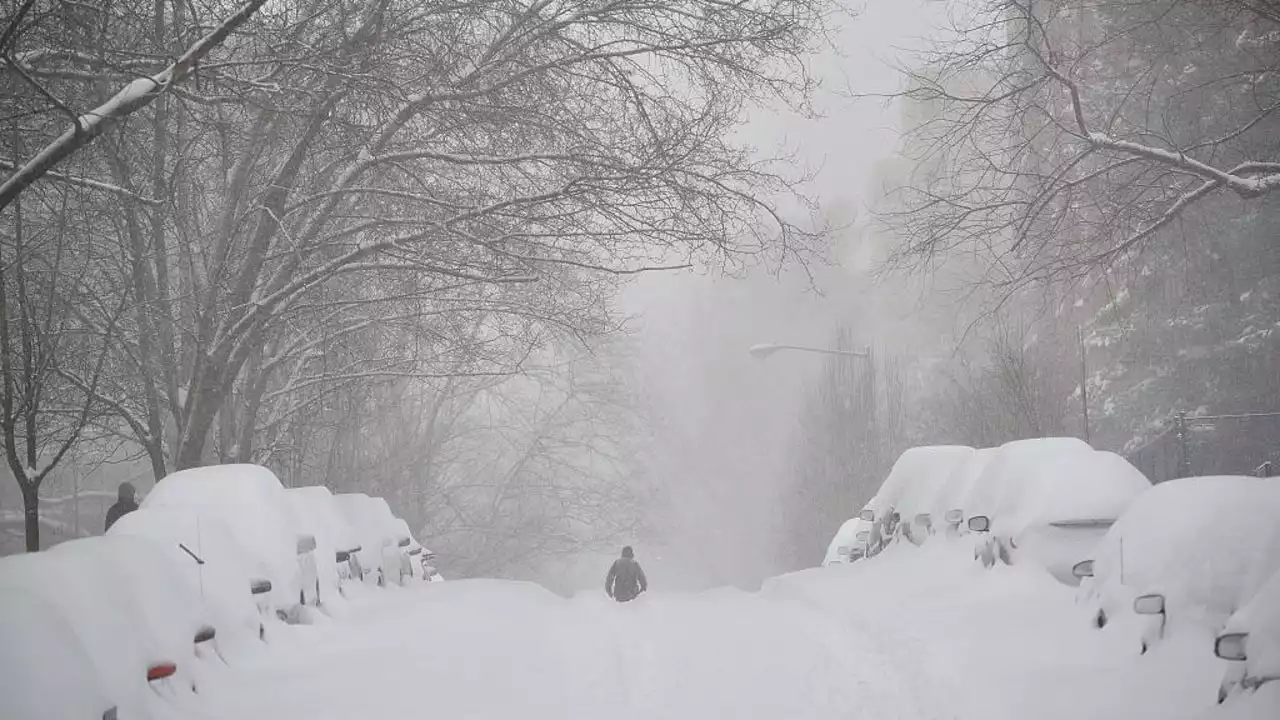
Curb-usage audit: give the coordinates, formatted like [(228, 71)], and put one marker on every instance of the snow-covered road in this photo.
[(919, 637)]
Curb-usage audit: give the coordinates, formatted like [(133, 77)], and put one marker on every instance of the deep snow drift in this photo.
[(913, 633)]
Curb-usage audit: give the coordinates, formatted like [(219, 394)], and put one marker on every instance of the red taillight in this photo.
[(160, 671)]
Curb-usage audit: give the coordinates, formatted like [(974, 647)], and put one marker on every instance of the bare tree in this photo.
[(57, 328), (495, 473), (1060, 136), (343, 167), (86, 126)]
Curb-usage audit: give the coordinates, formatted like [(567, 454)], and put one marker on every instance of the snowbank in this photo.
[(250, 500), (1207, 544)]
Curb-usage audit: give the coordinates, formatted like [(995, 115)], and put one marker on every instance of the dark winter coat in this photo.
[(120, 509), (625, 580)]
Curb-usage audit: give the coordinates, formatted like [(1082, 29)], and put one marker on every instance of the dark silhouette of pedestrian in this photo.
[(626, 579), (125, 504)]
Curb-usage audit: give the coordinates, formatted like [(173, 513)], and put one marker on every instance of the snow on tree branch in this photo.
[(133, 97)]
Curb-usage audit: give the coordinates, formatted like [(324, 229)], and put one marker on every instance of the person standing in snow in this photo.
[(125, 504), (626, 579)]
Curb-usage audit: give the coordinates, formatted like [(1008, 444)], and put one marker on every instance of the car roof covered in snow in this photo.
[(1207, 543), (316, 512), (1047, 480), (1094, 487), (954, 492), (916, 476)]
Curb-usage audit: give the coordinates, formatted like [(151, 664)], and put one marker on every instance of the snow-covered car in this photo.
[(429, 570), (1250, 642), (378, 535), (927, 471), (250, 500), (316, 514), (135, 619), (212, 560), (1050, 502), (950, 503), (407, 549), (849, 543), (910, 491), (1188, 552), (45, 670)]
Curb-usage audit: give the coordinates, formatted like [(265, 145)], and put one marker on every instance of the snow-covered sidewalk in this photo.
[(916, 634)]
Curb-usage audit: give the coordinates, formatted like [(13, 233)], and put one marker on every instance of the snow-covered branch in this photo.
[(90, 184), (133, 97)]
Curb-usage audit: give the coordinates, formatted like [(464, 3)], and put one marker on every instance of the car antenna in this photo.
[(200, 544), (1121, 561)]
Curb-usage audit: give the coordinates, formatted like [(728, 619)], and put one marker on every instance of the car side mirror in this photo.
[(306, 543), (955, 516), (259, 586), (923, 519), (1149, 604), (205, 634), (863, 536), (403, 542), (867, 515), (1083, 569), (1231, 646), (979, 523)]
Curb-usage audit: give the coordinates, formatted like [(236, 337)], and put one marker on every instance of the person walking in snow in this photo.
[(125, 504), (626, 579)]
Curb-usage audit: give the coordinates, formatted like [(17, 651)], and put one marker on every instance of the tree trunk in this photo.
[(31, 515)]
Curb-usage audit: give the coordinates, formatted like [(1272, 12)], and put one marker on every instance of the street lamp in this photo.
[(760, 352)]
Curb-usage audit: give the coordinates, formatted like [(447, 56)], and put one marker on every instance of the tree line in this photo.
[(1099, 183), (318, 235)]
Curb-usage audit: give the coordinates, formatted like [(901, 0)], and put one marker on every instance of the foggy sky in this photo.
[(724, 421)]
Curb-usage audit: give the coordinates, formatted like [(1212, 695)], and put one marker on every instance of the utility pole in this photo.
[(1184, 452), (1084, 383)]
